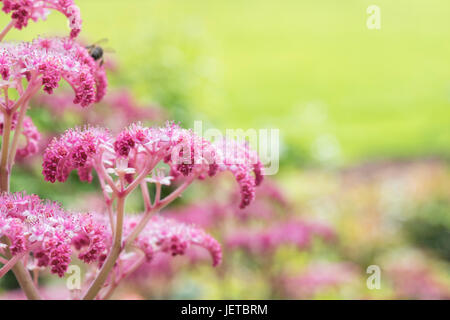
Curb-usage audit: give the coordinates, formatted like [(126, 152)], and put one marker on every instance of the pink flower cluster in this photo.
[(172, 237), (32, 137), (319, 277), (241, 161), (30, 133), (50, 233), (24, 10), (187, 154), (45, 62), (414, 278), (297, 233), (75, 150)]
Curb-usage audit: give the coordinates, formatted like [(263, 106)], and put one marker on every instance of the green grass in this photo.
[(307, 67)]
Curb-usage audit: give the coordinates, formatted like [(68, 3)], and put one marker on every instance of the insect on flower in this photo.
[(96, 51)]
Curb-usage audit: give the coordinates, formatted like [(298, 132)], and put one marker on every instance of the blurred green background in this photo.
[(338, 91)]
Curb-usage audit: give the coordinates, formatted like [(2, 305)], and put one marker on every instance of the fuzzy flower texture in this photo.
[(163, 235), (29, 225), (44, 62), (48, 232), (188, 156), (22, 11)]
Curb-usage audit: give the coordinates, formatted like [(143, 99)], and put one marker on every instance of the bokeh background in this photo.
[(364, 120)]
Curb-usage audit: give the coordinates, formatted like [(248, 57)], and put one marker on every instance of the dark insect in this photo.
[(96, 51)]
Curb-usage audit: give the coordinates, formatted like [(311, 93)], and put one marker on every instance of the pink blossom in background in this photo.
[(49, 293), (295, 233), (172, 237), (318, 277), (414, 279), (205, 215)]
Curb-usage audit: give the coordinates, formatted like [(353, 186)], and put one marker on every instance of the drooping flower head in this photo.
[(75, 150), (22, 11), (44, 62), (142, 148), (172, 237), (242, 162), (50, 233)]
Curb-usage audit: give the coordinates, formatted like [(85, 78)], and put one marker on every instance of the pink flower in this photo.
[(44, 62), (75, 150), (241, 161), (170, 236), (24, 10), (32, 137), (49, 232), (294, 233), (319, 277), (188, 155)]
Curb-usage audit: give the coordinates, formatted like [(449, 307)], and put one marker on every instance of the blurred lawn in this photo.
[(310, 68)]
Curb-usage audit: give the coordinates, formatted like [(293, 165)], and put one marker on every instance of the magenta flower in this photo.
[(44, 62), (75, 150), (289, 233), (23, 11), (188, 156), (172, 237), (241, 161), (318, 277), (48, 232)]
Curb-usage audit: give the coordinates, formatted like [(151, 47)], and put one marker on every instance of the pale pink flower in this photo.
[(159, 177), (318, 277), (288, 233)]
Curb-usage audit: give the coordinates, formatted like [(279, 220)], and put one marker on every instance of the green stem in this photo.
[(4, 173), (6, 29), (99, 281), (17, 132)]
